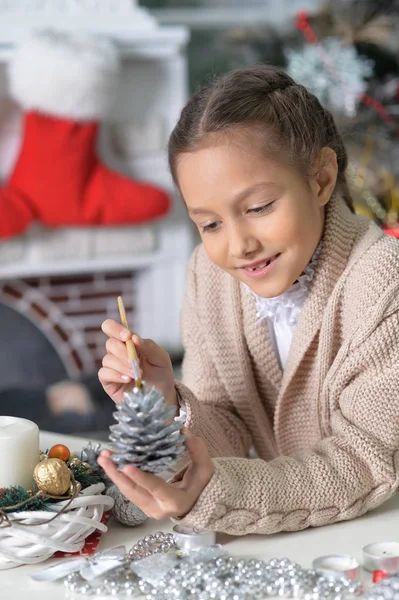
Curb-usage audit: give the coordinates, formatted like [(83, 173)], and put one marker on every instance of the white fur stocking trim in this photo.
[(64, 75)]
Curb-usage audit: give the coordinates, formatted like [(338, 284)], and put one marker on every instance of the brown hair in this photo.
[(267, 99)]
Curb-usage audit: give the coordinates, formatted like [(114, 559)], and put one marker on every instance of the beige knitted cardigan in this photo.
[(327, 429)]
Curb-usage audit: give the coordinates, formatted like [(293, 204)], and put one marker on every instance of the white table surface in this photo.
[(343, 538)]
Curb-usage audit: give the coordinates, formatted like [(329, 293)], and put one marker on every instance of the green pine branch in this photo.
[(14, 495), (87, 475)]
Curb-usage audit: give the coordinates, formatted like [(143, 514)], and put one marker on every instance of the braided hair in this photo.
[(266, 101)]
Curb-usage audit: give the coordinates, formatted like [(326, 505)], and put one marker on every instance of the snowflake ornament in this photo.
[(333, 71)]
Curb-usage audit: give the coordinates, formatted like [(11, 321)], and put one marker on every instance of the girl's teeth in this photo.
[(262, 266)]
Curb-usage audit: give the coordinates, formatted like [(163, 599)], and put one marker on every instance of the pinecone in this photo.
[(123, 511), (142, 437)]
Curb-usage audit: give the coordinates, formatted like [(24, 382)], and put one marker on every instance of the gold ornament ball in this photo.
[(52, 476), (74, 462), (72, 487), (60, 451)]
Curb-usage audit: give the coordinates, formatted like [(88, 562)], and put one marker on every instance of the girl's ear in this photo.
[(325, 172)]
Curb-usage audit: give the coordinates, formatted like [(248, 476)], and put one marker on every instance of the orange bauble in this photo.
[(59, 451)]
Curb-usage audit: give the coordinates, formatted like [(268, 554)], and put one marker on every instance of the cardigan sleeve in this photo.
[(210, 412), (353, 469)]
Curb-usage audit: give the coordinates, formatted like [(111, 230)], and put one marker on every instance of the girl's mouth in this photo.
[(262, 268)]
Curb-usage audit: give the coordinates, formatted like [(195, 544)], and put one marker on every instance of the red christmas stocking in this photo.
[(16, 212), (66, 86)]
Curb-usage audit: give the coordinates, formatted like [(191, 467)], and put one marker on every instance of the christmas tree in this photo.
[(347, 54)]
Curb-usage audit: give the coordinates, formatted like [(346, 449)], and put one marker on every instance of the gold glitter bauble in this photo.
[(74, 462), (53, 476), (78, 487)]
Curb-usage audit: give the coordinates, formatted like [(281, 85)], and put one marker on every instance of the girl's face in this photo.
[(260, 221)]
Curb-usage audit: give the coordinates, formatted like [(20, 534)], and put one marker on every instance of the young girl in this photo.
[(290, 323)]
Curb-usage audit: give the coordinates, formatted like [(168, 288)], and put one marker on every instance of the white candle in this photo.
[(19, 451), (188, 539), (382, 556)]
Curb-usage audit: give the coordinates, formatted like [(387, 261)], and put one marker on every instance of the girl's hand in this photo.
[(156, 498), (116, 375)]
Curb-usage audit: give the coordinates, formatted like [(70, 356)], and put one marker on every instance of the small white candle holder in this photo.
[(189, 539), (337, 565), (381, 556)]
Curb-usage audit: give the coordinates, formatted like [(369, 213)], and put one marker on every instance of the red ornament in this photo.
[(302, 19), (393, 231), (60, 451), (379, 575)]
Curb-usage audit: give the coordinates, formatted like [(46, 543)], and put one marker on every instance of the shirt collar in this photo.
[(289, 304)]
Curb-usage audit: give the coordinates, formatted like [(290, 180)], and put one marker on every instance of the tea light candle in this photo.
[(337, 565), (188, 539), (19, 451), (382, 556)]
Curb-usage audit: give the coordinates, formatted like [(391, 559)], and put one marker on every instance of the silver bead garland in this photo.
[(152, 544), (386, 589), (211, 574), (228, 578)]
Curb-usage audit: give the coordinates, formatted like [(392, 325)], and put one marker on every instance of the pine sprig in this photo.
[(86, 475), (14, 495)]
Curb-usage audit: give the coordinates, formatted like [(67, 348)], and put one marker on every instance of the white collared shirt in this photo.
[(282, 312)]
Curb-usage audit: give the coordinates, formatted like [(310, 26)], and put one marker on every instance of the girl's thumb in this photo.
[(147, 347), (156, 355)]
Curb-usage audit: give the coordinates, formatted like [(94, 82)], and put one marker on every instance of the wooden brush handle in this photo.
[(131, 349)]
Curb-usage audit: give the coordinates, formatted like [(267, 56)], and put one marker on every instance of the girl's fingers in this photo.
[(107, 376), (117, 348), (114, 329), (166, 500), (129, 488), (147, 481), (151, 493), (106, 453), (122, 367), (104, 460)]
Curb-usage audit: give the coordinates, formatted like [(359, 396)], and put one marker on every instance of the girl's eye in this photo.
[(210, 227), (261, 209)]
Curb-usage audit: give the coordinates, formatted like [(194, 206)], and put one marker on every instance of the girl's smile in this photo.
[(261, 268)]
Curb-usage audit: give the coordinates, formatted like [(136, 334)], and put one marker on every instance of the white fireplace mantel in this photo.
[(123, 19)]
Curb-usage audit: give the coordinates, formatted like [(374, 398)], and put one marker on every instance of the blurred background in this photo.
[(60, 279)]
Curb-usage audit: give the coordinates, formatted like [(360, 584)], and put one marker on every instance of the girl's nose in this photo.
[(242, 243)]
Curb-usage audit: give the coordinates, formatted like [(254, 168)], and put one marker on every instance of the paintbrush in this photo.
[(131, 349)]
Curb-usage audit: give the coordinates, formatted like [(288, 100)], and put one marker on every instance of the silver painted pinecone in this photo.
[(123, 510), (144, 436)]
